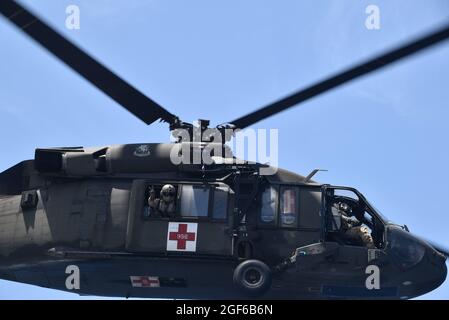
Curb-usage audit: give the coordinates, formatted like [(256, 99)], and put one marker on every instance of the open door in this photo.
[(350, 218)]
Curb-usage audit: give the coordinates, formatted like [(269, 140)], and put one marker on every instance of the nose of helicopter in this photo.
[(422, 268), (430, 273)]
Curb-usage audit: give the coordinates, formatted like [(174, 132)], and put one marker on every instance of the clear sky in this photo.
[(385, 134)]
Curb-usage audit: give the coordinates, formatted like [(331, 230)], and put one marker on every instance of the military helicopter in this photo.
[(81, 220)]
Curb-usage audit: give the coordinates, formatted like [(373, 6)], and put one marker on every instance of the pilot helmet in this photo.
[(343, 206), (168, 192)]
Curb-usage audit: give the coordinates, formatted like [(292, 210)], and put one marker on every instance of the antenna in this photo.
[(314, 172)]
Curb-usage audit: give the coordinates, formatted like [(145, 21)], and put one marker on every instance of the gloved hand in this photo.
[(356, 223)]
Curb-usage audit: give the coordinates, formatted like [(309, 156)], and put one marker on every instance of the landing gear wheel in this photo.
[(252, 277)]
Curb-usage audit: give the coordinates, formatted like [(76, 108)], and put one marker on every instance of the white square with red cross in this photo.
[(182, 236)]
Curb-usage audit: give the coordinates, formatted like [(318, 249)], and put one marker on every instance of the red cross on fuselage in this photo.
[(182, 236), (146, 281)]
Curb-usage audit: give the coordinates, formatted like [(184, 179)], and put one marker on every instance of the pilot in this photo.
[(352, 227), (165, 205)]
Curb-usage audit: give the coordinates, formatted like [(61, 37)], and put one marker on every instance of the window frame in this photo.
[(297, 190), (178, 217), (179, 199), (275, 222)]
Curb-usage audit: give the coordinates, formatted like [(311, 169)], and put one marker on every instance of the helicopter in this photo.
[(80, 219)]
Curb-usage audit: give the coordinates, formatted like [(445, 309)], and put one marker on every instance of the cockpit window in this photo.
[(346, 193), (352, 219), (381, 216)]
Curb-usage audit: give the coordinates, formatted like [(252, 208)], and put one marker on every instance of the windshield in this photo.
[(355, 194), (376, 211)]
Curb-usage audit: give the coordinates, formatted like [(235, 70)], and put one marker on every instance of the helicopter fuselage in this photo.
[(93, 232)]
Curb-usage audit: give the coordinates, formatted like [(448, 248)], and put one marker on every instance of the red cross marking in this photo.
[(182, 236), (146, 281)]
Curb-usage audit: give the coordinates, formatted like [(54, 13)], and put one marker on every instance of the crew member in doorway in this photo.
[(165, 204)]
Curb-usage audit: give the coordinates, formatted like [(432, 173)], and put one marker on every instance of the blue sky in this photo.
[(385, 134)]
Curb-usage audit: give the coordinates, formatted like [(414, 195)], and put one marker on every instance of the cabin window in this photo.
[(220, 203), (268, 206), (289, 207), (189, 201), (194, 201), (160, 201)]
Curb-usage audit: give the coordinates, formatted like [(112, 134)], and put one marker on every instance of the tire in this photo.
[(252, 277)]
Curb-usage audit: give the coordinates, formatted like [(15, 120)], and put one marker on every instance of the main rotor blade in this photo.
[(104, 79), (342, 78)]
